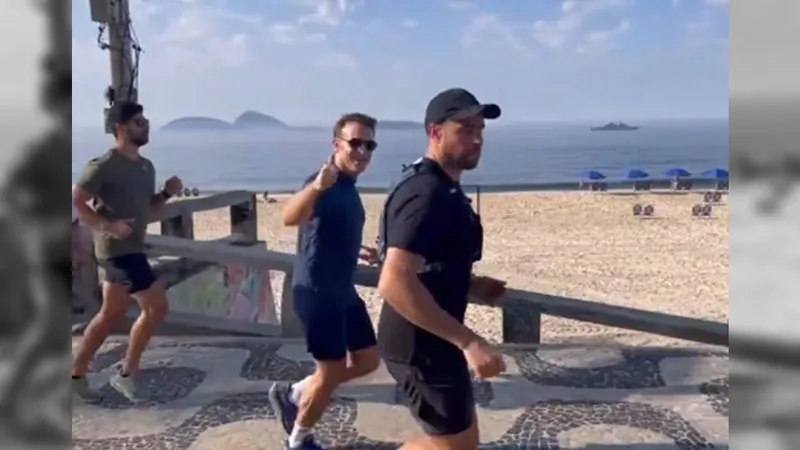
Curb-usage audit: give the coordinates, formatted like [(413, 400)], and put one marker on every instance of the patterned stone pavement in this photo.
[(210, 394)]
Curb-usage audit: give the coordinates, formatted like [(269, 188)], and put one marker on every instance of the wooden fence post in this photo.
[(522, 322), (244, 220), (290, 323), (88, 288), (181, 226)]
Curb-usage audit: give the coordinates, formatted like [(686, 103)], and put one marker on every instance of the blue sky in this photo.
[(307, 61)]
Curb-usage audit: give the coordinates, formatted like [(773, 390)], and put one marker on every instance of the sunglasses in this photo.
[(140, 122), (356, 144)]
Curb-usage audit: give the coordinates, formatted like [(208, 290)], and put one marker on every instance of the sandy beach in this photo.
[(574, 244)]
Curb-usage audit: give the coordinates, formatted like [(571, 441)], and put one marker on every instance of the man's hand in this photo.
[(369, 255), (327, 176), (173, 186), (484, 360), (119, 229), (487, 289)]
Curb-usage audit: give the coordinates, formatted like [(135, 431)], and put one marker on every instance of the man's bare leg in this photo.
[(468, 440), (154, 307), (359, 364), (116, 302)]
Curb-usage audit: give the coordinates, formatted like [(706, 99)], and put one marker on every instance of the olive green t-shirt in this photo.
[(122, 188)]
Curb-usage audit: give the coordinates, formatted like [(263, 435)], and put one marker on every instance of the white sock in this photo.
[(297, 389), (297, 436)]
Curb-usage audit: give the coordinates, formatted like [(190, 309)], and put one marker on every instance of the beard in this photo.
[(467, 160), (468, 163), (140, 141)]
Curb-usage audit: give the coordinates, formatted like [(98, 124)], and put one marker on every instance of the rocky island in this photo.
[(254, 121), (400, 125), (249, 120), (615, 126)]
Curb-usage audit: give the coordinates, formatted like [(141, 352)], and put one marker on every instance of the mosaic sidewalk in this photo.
[(210, 394)]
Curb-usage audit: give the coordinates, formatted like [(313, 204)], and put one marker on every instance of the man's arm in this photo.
[(300, 206), (157, 202), (87, 188), (412, 233), (159, 198)]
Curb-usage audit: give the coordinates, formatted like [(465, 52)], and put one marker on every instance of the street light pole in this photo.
[(115, 15)]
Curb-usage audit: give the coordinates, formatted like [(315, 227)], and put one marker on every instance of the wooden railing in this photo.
[(521, 310)]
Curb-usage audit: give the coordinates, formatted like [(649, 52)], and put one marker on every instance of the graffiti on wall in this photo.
[(230, 291)]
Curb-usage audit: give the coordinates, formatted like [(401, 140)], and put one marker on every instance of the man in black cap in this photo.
[(116, 197), (429, 239)]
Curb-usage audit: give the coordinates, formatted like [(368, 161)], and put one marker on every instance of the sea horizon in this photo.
[(533, 154)]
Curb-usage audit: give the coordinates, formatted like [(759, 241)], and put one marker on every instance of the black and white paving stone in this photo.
[(211, 394)]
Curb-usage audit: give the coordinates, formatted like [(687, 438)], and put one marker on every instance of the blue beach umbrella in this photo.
[(636, 174), (717, 174), (677, 172), (592, 175)]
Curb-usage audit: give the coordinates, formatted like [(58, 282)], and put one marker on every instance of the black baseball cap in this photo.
[(457, 104)]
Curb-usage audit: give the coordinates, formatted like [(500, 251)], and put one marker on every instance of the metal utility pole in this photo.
[(115, 15)]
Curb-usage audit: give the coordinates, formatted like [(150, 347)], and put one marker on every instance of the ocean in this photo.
[(520, 154)]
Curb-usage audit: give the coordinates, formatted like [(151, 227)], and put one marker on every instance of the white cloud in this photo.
[(290, 34), (602, 40), (574, 14), (197, 36), (327, 12), (461, 5), (319, 13), (701, 31), (409, 23), (337, 61), (486, 27)]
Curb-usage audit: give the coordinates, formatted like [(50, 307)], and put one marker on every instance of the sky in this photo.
[(308, 61)]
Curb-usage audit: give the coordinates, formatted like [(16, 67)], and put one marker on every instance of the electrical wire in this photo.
[(127, 36)]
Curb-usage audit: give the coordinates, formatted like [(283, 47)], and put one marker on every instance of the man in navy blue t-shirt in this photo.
[(330, 217)]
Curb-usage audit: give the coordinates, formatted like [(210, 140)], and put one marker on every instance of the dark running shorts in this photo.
[(441, 399), (333, 324), (133, 271)]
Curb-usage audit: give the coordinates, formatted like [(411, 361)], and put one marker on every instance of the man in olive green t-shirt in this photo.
[(121, 187)]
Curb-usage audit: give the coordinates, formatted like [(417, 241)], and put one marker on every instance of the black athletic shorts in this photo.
[(440, 397), (132, 270)]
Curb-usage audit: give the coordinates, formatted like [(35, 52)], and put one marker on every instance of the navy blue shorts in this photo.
[(133, 271), (333, 324)]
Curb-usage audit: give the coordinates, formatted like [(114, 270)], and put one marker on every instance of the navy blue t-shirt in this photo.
[(329, 243)]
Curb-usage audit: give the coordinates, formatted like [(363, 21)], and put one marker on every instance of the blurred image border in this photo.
[(35, 404), (765, 160)]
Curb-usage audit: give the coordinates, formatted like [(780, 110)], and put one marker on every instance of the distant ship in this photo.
[(615, 126)]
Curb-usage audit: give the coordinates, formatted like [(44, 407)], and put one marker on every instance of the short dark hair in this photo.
[(122, 113), (363, 119)]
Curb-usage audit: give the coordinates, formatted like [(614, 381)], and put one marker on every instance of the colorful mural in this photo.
[(232, 291)]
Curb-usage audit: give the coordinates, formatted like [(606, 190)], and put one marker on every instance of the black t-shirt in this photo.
[(429, 215)]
